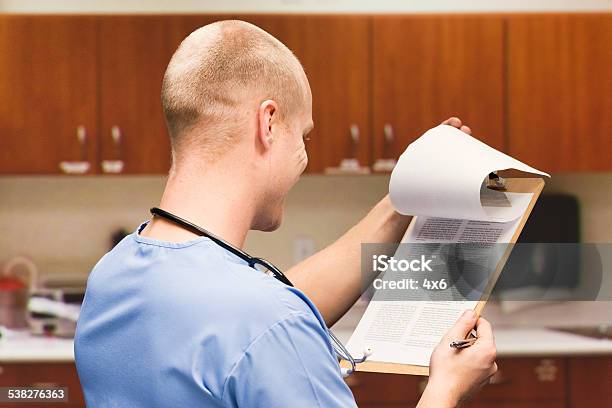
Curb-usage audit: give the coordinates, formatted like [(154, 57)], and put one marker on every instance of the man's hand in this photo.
[(456, 374), (456, 122)]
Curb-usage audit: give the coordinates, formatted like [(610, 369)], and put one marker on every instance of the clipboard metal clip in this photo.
[(495, 182)]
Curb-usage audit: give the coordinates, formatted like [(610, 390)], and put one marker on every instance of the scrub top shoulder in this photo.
[(190, 324)]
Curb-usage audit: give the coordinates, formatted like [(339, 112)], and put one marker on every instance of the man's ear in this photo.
[(267, 118)]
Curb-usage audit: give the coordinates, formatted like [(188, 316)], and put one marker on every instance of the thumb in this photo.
[(462, 327)]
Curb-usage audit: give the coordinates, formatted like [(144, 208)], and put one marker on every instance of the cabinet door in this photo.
[(134, 53), (526, 379), (377, 389), (514, 404), (334, 53), (48, 92), (429, 68), (560, 91), (590, 382)]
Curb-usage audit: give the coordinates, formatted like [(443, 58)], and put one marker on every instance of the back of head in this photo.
[(219, 75)]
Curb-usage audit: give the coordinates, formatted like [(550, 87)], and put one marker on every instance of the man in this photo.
[(171, 319)]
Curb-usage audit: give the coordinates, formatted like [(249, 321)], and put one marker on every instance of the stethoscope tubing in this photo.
[(337, 345)]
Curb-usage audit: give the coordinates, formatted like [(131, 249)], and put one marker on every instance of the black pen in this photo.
[(459, 344)]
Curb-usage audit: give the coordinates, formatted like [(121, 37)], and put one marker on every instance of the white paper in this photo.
[(442, 172), (406, 332), (439, 179)]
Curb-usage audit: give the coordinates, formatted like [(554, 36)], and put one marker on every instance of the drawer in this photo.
[(515, 404), (590, 382), (384, 388), (56, 374), (527, 379)]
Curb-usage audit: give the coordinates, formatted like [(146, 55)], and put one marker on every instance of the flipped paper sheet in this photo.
[(441, 175)]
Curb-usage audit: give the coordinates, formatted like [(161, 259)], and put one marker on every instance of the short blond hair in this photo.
[(219, 70)]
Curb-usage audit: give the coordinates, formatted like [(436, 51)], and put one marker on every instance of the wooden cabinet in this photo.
[(82, 91), (40, 375), (376, 389), (526, 382), (513, 404), (134, 54), (590, 382), (334, 51), (48, 90), (560, 91), (429, 68), (85, 91), (521, 382)]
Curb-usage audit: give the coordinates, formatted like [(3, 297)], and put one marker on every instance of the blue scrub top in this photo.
[(190, 324)]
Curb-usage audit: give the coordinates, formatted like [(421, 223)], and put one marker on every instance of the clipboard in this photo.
[(514, 185)]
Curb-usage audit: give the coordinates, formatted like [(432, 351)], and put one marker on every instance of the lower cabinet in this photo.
[(525, 381), (591, 382), (42, 375), (560, 382), (375, 390), (520, 382)]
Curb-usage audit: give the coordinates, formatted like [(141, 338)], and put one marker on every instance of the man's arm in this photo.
[(332, 278)]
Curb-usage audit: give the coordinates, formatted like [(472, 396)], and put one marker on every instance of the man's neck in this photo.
[(220, 202)]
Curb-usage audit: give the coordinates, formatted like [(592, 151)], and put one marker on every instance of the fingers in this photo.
[(454, 121), (484, 331), (486, 343), (462, 327)]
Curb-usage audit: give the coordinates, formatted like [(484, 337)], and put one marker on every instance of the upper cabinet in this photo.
[(48, 68), (334, 51), (428, 68), (560, 91), (81, 94), (134, 54)]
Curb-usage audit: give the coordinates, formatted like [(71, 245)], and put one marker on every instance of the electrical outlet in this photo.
[(303, 247)]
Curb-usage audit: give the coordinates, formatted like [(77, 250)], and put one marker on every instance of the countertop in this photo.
[(515, 342), (22, 347), (18, 346)]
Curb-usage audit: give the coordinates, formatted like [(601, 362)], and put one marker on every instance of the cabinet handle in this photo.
[(114, 166), (44, 385), (116, 135), (354, 133), (386, 163), (354, 129), (388, 132), (546, 371), (82, 139), (80, 166), (350, 165)]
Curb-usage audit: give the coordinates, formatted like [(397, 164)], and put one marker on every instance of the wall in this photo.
[(287, 6), (64, 223)]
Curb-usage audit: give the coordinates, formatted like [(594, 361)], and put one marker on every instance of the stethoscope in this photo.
[(269, 269)]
